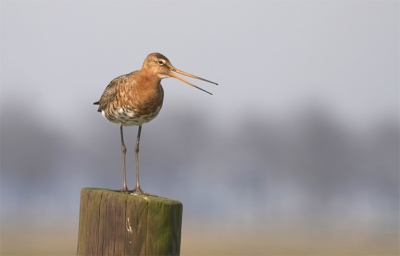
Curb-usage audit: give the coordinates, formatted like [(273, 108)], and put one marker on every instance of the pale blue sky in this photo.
[(269, 57)]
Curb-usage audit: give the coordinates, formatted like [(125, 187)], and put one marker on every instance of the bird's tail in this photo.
[(97, 103)]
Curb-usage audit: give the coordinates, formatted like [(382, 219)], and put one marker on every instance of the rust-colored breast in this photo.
[(132, 100)]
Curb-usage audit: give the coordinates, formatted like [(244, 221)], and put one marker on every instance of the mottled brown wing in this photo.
[(110, 92)]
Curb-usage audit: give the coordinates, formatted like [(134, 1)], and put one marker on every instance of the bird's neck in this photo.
[(148, 79), (148, 89)]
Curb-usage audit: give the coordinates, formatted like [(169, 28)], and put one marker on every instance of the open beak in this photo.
[(189, 75)]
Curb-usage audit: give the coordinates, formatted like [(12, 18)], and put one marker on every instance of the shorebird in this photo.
[(136, 98)]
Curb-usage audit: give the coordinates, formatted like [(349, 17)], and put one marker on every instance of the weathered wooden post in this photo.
[(114, 223)]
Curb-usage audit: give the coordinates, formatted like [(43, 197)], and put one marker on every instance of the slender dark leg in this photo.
[(123, 149), (137, 189)]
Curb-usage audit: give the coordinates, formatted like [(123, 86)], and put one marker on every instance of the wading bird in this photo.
[(136, 98)]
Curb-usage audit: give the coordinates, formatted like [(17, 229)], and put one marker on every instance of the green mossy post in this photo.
[(114, 223)]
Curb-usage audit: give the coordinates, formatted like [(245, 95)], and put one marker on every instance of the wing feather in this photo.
[(110, 92)]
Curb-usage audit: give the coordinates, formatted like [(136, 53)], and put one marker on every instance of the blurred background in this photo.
[(297, 151)]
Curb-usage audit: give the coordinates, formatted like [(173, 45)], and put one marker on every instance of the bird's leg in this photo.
[(123, 149), (137, 189)]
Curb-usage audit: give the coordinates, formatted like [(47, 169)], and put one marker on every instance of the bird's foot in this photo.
[(125, 190), (138, 191)]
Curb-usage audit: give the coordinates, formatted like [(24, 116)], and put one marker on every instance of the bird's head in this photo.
[(158, 64)]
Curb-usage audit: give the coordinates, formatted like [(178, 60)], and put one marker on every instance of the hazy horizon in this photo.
[(301, 134)]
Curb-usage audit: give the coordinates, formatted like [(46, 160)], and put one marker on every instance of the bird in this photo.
[(137, 98)]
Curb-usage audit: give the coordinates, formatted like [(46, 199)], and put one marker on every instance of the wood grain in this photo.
[(115, 223)]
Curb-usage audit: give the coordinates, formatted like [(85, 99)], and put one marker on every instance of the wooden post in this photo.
[(114, 223)]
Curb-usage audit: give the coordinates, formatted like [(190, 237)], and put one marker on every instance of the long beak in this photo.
[(189, 75)]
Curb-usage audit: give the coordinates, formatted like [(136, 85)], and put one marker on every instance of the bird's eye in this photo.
[(161, 62)]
